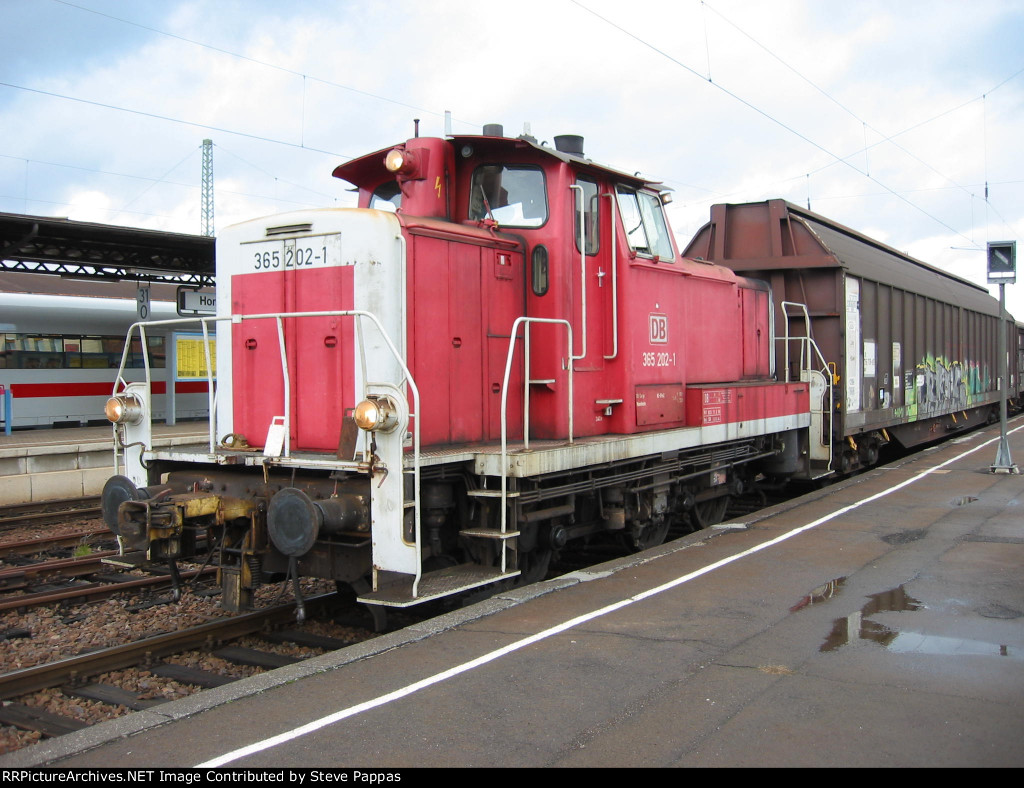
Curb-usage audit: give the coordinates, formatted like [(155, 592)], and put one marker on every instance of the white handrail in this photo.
[(615, 280), (583, 277), (808, 350), (526, 396), (279, 317)]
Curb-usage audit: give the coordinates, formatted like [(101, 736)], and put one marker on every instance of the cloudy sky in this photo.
[(890, 117)]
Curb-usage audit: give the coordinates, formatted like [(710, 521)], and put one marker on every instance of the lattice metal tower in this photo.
[(207, 206)]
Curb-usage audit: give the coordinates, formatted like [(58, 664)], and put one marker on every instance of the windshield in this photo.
[(512, 196)]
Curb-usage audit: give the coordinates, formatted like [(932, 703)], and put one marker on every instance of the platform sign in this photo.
[(192, 302), (1002, 262), (143, 303), (190, 358)]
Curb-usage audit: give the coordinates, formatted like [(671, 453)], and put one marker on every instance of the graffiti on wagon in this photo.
[(939, 385)]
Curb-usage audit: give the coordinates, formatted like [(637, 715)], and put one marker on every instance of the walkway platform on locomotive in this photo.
[(53, 464), (877, 622)]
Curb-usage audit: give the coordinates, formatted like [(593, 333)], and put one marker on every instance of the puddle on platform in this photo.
[(858, 626), (905, 537), (822, 593), (918, 643)]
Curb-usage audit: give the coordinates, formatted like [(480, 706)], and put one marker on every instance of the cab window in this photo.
[(513, 196), (591, 232), (387, 197), (646, 229)]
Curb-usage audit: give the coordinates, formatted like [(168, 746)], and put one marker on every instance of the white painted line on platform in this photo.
[(437, 678)]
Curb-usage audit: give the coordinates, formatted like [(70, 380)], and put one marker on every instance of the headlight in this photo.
[(402, 162), (394, 160), (124, 409), (376, 414)]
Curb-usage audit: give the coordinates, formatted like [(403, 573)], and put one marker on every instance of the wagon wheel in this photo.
[(710, 512)]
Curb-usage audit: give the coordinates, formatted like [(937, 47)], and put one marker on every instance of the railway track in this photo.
[(35, 545), (39, 571), (98, 589), (246, 643), (73, 670), (43, 513)]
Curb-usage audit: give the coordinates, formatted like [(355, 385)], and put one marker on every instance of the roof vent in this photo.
[(569, 143), (286, 229), (494, 130)]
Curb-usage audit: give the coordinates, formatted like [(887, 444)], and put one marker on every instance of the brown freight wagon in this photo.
[(912, 350)]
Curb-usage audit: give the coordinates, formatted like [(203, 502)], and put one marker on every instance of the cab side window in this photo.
[(644, 220), (589, 215), (387, 197)]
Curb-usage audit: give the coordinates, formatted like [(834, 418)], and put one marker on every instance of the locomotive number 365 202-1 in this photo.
[(289, 257), (659, 359)]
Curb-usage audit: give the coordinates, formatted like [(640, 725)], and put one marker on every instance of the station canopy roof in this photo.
[(48, 245)]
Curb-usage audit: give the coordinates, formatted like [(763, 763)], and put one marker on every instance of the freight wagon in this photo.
[(911, 348)]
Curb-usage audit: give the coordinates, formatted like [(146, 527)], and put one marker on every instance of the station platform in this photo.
[(877, 622), (55, 464)]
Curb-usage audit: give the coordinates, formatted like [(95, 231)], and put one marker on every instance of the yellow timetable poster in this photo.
[(191, 364)]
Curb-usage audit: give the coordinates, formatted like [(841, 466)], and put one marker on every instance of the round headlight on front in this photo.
[(402, 162), (124, 409), (394, 160), (376, 414)]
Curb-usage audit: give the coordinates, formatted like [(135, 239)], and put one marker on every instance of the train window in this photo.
[(387, 197), (590, 214), (646, 229), (512, 196), (39, 351)]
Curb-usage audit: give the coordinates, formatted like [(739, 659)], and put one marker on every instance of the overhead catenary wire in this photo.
[(764, 113), (256, 61)]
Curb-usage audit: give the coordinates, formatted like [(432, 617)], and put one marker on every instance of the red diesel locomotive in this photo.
[(500, 351)]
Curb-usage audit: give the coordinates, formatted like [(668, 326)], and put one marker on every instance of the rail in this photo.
[(69, 669), (527, 381)]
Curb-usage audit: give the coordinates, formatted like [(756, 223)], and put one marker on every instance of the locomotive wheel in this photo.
[(533, 565), (347, 593), (652, 535), (710, 512)]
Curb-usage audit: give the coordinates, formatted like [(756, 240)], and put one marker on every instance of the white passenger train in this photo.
[(59, 356)]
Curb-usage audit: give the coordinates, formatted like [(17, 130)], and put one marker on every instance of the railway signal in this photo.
[(1002, 270)]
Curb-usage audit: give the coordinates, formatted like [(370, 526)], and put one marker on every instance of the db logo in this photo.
[(659, 329)]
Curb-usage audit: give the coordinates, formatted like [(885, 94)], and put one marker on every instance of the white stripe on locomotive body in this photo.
[(612, 448), (370, 241)]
